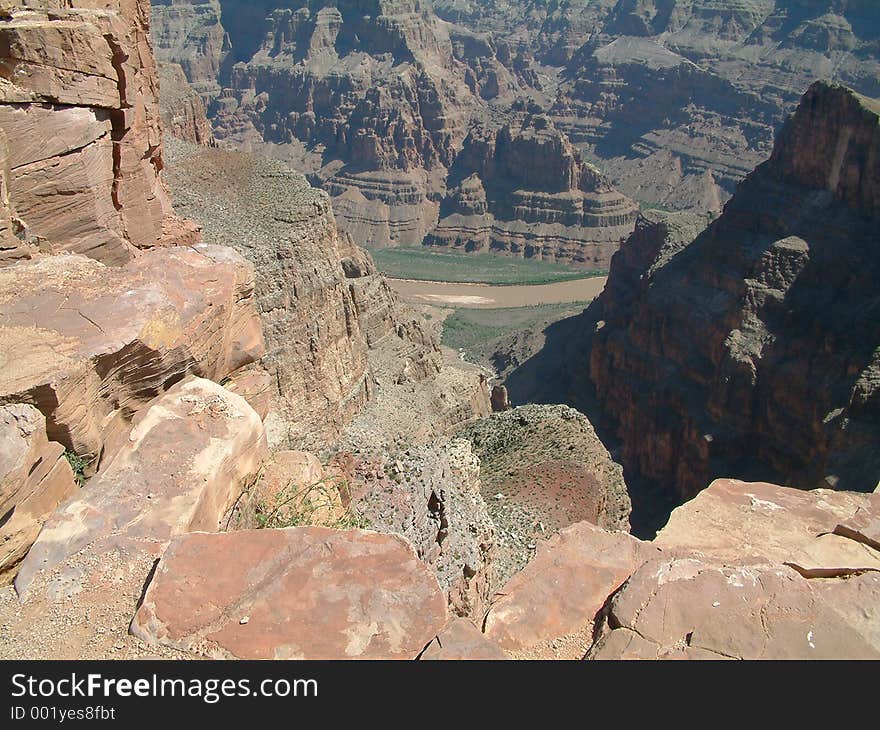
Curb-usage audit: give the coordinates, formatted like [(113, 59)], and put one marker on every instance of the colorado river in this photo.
[(485, 296)]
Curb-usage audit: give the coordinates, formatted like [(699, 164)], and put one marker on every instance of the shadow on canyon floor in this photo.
[(559, 373)]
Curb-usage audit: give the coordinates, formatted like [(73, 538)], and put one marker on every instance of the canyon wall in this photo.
[(374, 102), (336, 334), (751, 350), (675, 101), (679, 99)]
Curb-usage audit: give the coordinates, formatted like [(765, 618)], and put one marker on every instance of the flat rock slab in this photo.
[(460, 639), (80, 340), (685, 608), (550, 606), (772, 522), (184, 463), (296, 593)]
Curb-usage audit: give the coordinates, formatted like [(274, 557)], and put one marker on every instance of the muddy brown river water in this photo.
[(486, 296)]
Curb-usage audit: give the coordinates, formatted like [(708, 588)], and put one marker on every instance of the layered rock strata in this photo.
[(781, 383), (88, 345), (524, 190), (80, 116)]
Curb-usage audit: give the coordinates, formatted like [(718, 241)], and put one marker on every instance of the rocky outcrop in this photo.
[(34, 479), (185, 461), (79, 91), (88, 344), (524, 190), (753, 571), (431, 496), (780, 381), (183, 112), (336, 334), (772, 522), (542, 469), (724, 579), (300, 593)]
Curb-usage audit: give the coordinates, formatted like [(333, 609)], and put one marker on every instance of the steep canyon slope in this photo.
[(753, 349)]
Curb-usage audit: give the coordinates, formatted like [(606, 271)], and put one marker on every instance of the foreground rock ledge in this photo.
[(184, 463), (297, 593), (548, 609), (83, 342)]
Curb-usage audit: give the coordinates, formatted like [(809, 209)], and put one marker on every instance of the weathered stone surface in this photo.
[(830, 556), (864, 525), (431, 496), (684, 608), (549, 608), (299, 593), (82, 340), (460, 639), (184, 463), (749, 351), (738, 522), (83, 81), (34, 479)]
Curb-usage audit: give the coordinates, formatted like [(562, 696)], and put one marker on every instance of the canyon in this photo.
[(424, 119), (201, 365)]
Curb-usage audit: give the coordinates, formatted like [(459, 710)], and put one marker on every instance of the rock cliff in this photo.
[(78, 106), (336, 335), (374, 100), (183, 112), (751, 350)]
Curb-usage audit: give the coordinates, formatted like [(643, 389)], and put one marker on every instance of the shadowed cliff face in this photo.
[(753, 349)]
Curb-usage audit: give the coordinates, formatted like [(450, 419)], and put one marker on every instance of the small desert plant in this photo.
[(78, 464), (297, 506)]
